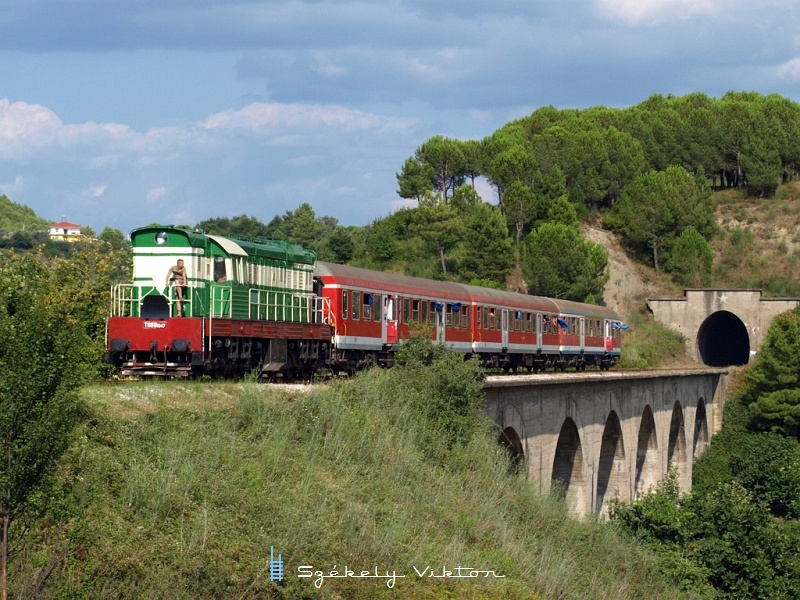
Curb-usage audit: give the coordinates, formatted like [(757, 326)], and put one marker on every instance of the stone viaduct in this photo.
[(722, 327), (598, 436)]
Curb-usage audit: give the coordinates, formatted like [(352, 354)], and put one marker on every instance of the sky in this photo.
[(122, 114)]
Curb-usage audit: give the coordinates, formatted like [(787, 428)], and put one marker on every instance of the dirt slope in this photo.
[(630, 284)]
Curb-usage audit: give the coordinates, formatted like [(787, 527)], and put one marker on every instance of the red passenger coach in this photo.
[(371, 312)]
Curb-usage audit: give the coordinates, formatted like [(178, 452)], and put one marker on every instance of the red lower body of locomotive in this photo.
[(191, 346)]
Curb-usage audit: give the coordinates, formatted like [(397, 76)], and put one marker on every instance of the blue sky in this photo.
[(126, 113)]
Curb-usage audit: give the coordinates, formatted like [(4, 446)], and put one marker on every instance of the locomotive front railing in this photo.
[(127, 299)]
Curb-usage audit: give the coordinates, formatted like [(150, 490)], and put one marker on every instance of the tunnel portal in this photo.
[(722, 340)]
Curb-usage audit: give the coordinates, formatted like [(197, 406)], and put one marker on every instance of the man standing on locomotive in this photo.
[(177, 274)]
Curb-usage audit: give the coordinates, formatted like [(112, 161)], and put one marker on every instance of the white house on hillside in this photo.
[(65, 232)]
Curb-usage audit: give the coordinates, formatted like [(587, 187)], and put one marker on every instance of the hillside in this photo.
[(757, 246), (181, 490), (18, 217), (759, 243)]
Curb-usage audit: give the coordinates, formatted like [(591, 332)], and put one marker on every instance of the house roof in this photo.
[(65, 225)]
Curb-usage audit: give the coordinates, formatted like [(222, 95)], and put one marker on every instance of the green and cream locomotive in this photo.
[(234, 305)]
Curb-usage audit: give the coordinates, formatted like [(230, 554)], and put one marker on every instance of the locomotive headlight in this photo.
[(161, 238)]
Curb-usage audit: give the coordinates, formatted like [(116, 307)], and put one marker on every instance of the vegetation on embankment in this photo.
[(179, 490)]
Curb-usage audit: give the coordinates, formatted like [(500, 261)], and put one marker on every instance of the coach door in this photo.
[(389, 321), (607, 335), (439, 308), (504, 327), (539, 325), (583, 334)]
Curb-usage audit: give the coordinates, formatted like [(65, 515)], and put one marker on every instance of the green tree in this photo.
[(41, 347), (659, 205), (771, 388), (415, 179), (512, 165), (341, 245), (242, 226), (563, 211), (474, 160), (464, 200), (487, 247), (691, 259), (439, 225), (381, 242), (761, 163), (113, 237), (519, 208), (559, 263), (446, 159)]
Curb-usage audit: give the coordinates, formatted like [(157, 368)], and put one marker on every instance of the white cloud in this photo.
[(789, 70), (155, 194), (259, 117), (98, 190), (650, 12)]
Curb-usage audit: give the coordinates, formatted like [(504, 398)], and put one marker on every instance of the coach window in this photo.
[(356, 305), (464, 317), (345, 298), (485, 317), (449, 309), (377, 307), (432, 313), (406, 310), (424, 315), (367, 306), (415, 311)]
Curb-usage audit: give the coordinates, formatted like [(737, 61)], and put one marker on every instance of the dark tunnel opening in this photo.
[(722, 340)]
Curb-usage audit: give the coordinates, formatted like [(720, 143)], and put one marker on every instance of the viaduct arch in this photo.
[(602, 436), (722, 327)]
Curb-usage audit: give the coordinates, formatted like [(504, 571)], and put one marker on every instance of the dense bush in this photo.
[(724, 538)]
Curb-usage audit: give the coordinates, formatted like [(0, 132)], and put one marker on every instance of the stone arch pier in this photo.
[(601, 436)]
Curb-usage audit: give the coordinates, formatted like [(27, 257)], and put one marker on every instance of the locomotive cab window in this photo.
[(220, 272)]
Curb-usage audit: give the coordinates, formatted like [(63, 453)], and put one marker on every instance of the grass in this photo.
[(649, 344), (179, 491)]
